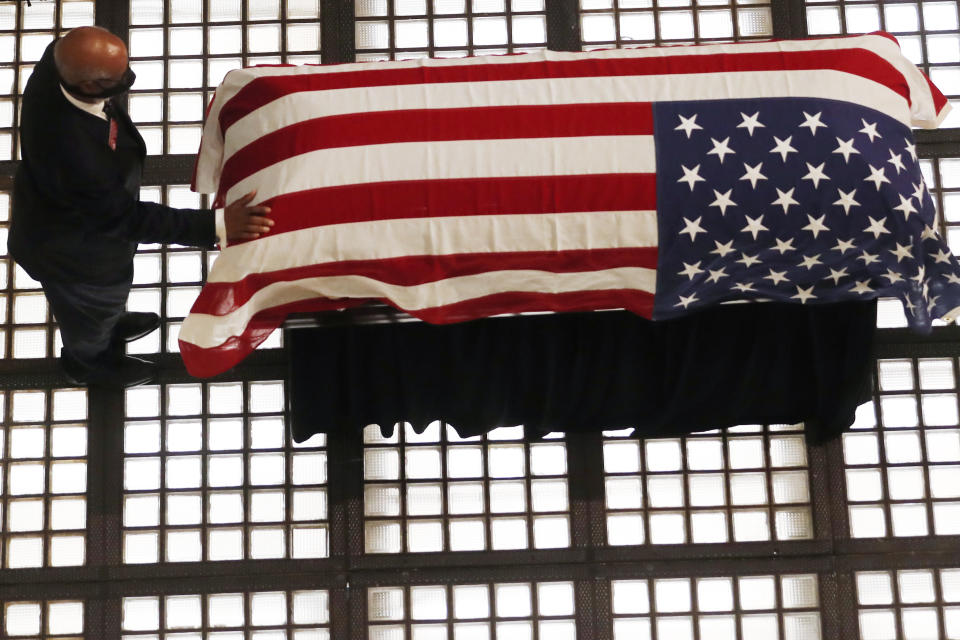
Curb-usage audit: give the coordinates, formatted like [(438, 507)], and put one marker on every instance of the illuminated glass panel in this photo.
[(401, 29), (211, 474), (908, 604), (435, 491), (43, 468), (745, 484), (903, 455), (267, 615), (25, 32), (485, 610), (927, 32), (182, 49), (42, 620), (717, 607), (627, 23)]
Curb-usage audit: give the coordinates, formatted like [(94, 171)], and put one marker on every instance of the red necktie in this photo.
[(112, 140)]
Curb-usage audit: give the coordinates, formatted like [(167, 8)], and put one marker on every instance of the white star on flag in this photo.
[(902, 252), (753, 174), (941, 257), (720, 149), (846, 148), (836, 275), (911, 149), (723, 201), (686, 301), (748, 261), (870, 130), (953, 278), (868, 258), (877, 177), (754, 226), (691, 270), (785, 199), (743, 287), (716, 274), (843, 246), (783, 147), (687, 125), (928, 233), (896, 162), (918, 189), (906, 206), (816, 174), (777, 276), (750, 122), (812, 122), (921, 274), (862, 287), (693, 228), (892, 276), (816, 225), (784, 245), (804, 294), (723, 249), (811, 261), (846, 200), (691, 176)]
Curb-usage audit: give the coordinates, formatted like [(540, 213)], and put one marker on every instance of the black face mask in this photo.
[(126, 81)]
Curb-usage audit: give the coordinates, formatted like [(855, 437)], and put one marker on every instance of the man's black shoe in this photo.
[(125, 371), (135, 324)]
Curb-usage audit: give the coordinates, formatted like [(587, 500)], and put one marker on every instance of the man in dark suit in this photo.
[(77, 217)]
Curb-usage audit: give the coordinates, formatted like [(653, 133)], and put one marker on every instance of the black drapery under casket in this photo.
[(737, 364)]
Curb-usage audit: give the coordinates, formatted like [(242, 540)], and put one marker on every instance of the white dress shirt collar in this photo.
[(93, 108)]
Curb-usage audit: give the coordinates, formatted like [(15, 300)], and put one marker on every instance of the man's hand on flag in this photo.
[(244, 222)]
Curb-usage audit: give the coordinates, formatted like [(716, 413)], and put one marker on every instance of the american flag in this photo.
[(658, 180)]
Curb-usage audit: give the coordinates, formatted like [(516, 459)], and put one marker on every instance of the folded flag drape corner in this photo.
[(661, 180)]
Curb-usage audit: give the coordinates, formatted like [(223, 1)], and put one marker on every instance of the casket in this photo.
[(658, 180)]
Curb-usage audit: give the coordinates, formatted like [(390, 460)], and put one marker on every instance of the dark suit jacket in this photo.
[(76, 213)]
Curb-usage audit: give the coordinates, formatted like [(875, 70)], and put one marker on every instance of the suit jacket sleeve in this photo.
[(70, 177)]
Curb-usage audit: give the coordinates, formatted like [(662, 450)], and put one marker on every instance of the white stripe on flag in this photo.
[(451, 160), (207, 331), (384, 239), (307, 105)]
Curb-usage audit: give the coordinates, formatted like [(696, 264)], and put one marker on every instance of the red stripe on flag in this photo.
[(939, 100), (462, 197), (264, 90), (430, 125), (221, 298), (204, 363)]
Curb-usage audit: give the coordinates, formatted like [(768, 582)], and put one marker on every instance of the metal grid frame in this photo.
[(27, 328), (27, 24), (301, 611), (63, 620), (925, 30), (230, 468), (162, 41), (763, 491), (633, 23), (43, 506), (905, 602), (504, 476), (906, 432), (544, 608), (348, 572), (390, 16)]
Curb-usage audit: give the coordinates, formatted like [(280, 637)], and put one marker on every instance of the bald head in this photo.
[(90, 58)]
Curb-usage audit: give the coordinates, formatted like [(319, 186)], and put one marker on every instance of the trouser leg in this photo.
[(87, 315)]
